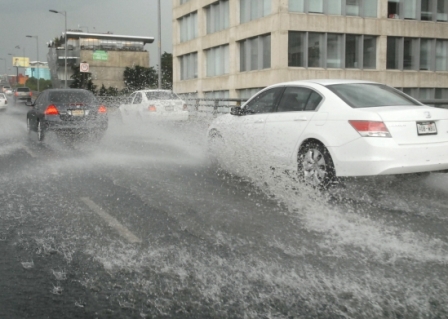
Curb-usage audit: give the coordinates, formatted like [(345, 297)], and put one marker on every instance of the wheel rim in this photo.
[(314, 167)]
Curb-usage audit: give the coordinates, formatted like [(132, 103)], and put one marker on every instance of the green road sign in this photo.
[(100, 55)]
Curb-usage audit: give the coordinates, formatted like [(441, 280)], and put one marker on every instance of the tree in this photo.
[(82, 80), (167, 71), (139, 78), (43, 84)]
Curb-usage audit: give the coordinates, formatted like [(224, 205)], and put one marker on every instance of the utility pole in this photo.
[(160, 46)]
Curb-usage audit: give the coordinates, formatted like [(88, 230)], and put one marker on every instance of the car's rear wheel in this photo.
[(40, 132), (28, 126), (315, 166)]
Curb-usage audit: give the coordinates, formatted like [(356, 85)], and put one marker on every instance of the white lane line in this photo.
[(31, 153), (122, 230)]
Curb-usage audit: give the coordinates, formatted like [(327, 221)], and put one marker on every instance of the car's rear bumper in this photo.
[(382, 156), (76, 126)]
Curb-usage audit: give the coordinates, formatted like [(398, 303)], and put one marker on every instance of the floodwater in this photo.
[(208, 243)]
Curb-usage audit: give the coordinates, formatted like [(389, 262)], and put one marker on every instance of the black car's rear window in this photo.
[(360, 95), (23, 89), (71, 97), (161, 96)]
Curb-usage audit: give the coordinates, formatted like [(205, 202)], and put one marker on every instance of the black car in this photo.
[(22, 94), (73, 112)]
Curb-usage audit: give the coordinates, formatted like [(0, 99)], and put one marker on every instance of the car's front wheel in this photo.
[(40, 132), (315, 166)]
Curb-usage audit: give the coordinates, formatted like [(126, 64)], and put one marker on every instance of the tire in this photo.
[(315, 166), (40, 132)]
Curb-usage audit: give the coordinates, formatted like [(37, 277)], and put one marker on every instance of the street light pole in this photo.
[(5, 65), (160, 47), (37, 62), (64, 13), (17, 69)]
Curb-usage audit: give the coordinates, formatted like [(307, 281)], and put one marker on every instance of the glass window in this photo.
[(313, 101), (217, 60), (334, 50), (296, 48), (426, 52), (371, 8), (294, 99), (360, 95), (353, 51), (264, 102), (442, 10), (296, 5), (316, 6), (255, 53), (254, 9), (426, 93), (426, 10), (352, 7), (334, 7), (369, 52), (161, 95), (188, 27), (188, 66), (441, 55), (316, 51), (137, 99), (393, 53), (410, 9), (217, 15), (410, 54)]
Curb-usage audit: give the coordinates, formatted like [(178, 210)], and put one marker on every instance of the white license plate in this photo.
[(77, 112), (425, 128)]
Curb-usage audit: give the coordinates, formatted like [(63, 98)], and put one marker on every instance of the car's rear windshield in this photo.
[(71, 97), (161, 96), (360, 95), (23, 89)]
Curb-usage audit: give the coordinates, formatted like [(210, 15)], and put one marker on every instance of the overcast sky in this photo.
[(19, 18)]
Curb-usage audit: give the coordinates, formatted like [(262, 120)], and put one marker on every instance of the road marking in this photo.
[(31, 153), (122, 230)]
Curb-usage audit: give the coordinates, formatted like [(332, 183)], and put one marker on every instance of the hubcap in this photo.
[(314, 167)]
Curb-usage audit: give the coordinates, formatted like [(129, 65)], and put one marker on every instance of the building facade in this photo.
[(233, 48), (107, 55)]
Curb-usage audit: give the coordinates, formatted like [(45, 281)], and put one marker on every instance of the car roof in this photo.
[(66, 90), (325, 82), (151, 91)]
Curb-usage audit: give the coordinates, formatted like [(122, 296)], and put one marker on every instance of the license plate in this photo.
[(169, 108), (77, 112), (426, 128)]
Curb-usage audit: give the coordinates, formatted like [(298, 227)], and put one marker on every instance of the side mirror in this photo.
[(236, 110)]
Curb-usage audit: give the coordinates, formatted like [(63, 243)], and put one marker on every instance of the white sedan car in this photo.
[(154, 105), (325, 129), (3, 102)]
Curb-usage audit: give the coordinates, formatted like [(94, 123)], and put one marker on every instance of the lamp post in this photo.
[(160, 47), (64, 13), (37, 62), (17, 69)]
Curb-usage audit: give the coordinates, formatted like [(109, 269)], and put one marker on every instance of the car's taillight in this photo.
[(371, 128), (102, 109), (16, 94), (31, 93), (152, 108), (51, 110), (185, 107)]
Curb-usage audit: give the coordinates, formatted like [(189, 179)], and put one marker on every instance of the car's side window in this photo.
[(313, 101), (137, 99), (294, 99), (39, 103), (264, 102)]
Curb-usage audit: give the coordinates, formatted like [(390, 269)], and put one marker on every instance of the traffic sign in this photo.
[(84, 67)]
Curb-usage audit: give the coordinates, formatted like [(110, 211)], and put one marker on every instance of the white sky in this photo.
[(31, 17)]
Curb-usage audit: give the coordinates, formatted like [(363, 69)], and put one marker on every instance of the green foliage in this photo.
[(82, 80), (110, 91), (139, 78), (43, 84)]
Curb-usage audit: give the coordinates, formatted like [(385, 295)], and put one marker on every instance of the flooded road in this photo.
[(141, 226)]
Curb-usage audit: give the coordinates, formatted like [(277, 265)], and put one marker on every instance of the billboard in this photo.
[(20, 62)]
